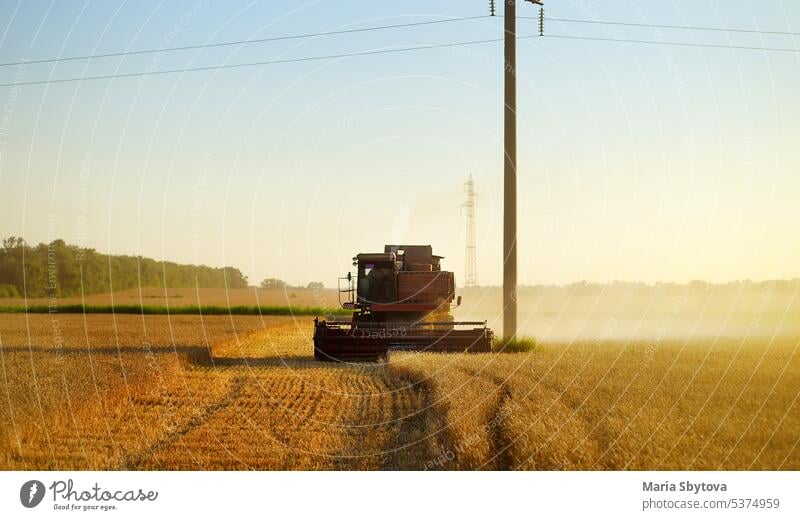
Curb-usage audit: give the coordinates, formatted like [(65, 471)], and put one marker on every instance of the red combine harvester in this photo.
[(401, 301)]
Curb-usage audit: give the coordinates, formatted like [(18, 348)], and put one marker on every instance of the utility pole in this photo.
[(510, 170)]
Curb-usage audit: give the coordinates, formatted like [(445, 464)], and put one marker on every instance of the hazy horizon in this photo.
[(254, 284)]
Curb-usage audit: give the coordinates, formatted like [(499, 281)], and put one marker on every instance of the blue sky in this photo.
[(637, 162)]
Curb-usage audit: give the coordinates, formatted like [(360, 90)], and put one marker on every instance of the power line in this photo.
[(386, 51), (379, 28), (395, 26), (667, 26), (682, 44), (258, 63), (238, 42)]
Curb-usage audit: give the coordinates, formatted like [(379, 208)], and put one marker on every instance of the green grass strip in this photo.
[(516, 344), (245, 310)]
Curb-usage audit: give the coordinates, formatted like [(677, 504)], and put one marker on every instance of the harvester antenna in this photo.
[(470, 262)]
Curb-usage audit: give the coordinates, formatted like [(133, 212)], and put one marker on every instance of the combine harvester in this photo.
[(401, 301)]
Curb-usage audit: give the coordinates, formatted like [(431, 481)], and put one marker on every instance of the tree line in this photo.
[(60, 269), (277, 283)]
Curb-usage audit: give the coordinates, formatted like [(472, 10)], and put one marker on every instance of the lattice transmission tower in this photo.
[(470, 268)]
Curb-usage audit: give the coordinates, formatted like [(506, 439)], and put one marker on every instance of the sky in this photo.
[(636, 162)]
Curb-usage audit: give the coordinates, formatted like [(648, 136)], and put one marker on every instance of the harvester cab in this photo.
[(401, 301)]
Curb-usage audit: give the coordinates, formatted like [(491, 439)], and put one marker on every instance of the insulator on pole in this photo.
[(541, 21), (491, 8)]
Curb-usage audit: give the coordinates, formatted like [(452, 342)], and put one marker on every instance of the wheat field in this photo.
[(243, 392)]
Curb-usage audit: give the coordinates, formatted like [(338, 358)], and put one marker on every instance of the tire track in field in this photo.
[(136, 460), (419, 436), (498, 433), (500, 439), (421, 439)]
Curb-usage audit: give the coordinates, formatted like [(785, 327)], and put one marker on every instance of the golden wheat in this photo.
[(187, 392), (722, 405)]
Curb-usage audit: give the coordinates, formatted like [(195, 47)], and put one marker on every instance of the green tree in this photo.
[(272, 283)]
